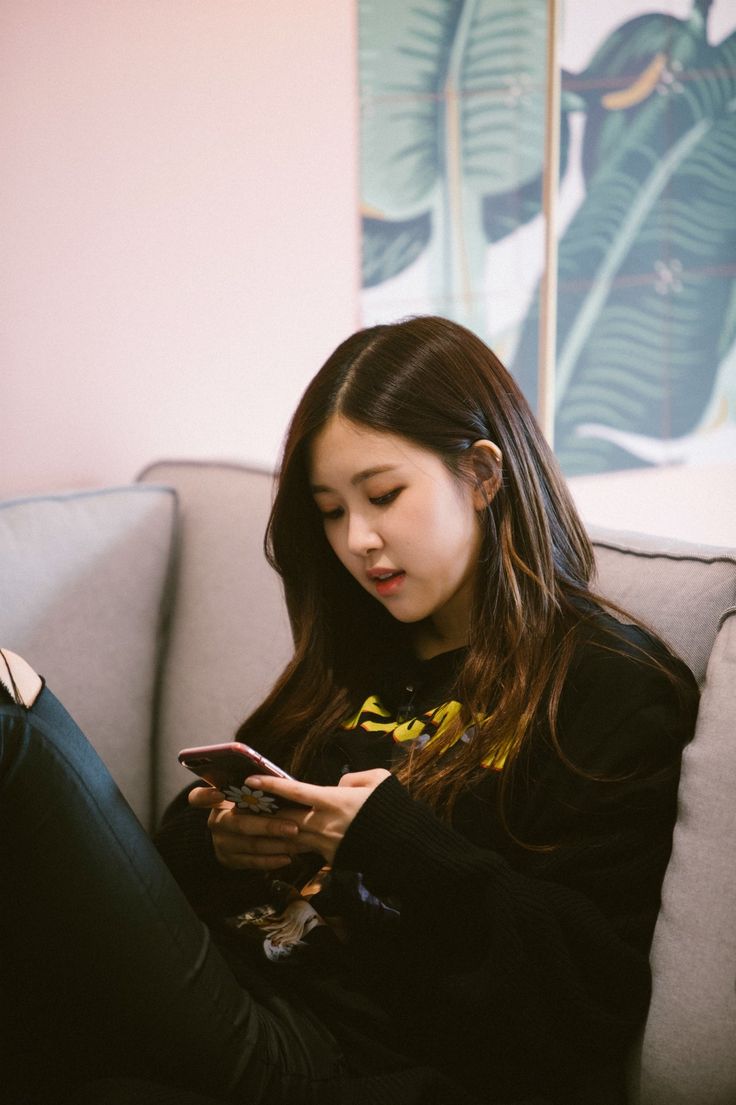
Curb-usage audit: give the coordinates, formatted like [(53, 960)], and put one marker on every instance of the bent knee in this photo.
[(20, 680)]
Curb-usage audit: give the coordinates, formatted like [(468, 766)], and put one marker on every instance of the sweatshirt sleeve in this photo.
[(533, 957), (185, 843)]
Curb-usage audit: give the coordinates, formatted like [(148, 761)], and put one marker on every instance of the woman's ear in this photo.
[(487, 463)]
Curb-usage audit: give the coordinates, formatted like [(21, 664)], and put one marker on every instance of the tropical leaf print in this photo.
[(389, 247), (452, 93), (646, 266)]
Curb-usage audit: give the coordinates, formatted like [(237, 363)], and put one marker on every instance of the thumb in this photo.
[(364, 778)]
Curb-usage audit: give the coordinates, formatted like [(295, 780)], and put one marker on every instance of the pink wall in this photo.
[(178, 211), (179, 218)]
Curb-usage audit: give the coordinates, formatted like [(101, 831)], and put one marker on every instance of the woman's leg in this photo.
[(103, 950)]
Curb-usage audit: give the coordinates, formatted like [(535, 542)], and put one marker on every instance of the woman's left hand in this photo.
[(332, 809)]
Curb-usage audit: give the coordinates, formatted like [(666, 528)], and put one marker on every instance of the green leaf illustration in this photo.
[(646, 264), (452, 96), (389, 247)]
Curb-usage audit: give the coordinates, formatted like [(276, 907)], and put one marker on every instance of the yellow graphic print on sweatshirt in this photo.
[(373, 717)]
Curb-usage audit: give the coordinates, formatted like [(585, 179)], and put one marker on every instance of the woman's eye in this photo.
[(384, 500), (331, 515)]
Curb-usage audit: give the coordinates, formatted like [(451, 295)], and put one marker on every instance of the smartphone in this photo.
[(227, 766)]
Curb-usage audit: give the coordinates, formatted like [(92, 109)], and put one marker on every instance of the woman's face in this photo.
[(404, 527)]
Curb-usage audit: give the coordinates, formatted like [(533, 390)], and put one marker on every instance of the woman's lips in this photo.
[(389, 585)]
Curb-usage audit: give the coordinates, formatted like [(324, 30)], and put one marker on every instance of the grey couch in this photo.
[(153, 615)]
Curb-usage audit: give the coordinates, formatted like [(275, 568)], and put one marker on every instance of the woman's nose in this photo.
[(362, 537)]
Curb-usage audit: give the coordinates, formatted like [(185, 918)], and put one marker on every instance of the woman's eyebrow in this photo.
[(359, 477)]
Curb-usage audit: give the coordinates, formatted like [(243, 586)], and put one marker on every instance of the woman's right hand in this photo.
[(245, 841)]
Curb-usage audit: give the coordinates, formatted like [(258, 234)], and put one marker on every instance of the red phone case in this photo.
[(227, 766)]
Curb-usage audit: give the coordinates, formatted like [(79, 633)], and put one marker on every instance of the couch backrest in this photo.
[(230, 639), (229, 636), (83, 593), (678, 588), (687, 593)]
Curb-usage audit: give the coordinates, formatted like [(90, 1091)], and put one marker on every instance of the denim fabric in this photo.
[(106, 970)]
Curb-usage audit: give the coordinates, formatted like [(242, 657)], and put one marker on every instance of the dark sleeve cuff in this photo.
[(400, 842)]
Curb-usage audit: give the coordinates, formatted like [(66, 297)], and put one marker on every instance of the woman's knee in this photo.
[(21, 682)]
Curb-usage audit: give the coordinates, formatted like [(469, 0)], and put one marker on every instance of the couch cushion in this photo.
[(688, 1055), (82, 591), (230, 635), (677, 588), (688, 594)]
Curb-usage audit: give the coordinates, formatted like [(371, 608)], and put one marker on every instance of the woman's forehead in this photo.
[(344, 450)]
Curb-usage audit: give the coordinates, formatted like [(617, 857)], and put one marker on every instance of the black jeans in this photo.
[(106, 970)]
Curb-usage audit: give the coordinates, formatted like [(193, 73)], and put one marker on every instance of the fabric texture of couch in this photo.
[(152, 613)]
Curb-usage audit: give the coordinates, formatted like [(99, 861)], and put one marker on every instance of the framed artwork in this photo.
[(453, 102)]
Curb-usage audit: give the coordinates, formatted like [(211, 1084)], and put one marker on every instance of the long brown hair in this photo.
[(437, 384)]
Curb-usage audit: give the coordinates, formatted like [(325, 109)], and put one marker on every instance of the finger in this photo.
[(205, 797), (247, 862), (306, 794), (254, 846), (364, 778), (251, 826)]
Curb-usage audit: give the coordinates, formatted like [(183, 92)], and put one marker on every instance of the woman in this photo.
[(461, 905)]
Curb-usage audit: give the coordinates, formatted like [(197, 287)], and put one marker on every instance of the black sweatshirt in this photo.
[(513, 971)]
